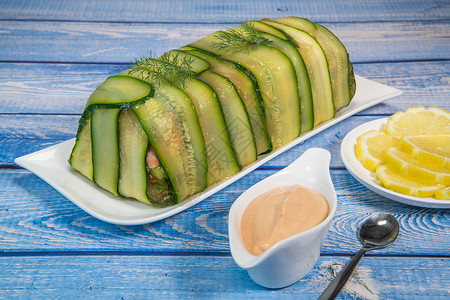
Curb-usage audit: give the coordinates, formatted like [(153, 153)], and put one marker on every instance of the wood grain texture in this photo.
[(50, 88), (45, 41), (219, 11), (36, 218), (174, 277), (53, 54)]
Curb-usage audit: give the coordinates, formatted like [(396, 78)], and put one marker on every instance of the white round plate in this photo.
[(368, 179)]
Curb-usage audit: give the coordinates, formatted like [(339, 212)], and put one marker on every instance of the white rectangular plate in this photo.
[(51, 164)]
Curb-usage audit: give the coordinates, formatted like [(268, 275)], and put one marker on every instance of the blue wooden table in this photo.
[(54, 53)]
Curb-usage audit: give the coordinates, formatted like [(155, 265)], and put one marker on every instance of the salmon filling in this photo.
[(159, 189)]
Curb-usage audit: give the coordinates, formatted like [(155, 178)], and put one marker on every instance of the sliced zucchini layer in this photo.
[(171, 123), (81, 156), (248, 92), (133, 143), (337, 57), (263, 27), (159, 139), (303, 83), (117, 92), (105, 148), (96, 146), (236, 118), (277, 83), (221, 160), (318, 71), (198, 64)]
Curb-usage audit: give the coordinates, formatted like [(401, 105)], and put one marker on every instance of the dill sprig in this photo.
[(169, 65), (239, 38)]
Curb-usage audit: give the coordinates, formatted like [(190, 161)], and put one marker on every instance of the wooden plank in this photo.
[(180, 277), (35, 218), (64, 88), (216, 11), (422, 83), (393, 41), (121, 42), (50, 88), (52, 249)]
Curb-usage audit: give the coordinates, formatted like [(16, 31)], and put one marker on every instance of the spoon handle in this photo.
[(341, 279)]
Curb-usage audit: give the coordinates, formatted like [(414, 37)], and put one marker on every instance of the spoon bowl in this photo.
[(378, 231)]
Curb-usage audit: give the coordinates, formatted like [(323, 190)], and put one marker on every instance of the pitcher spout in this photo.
[(312, 165)]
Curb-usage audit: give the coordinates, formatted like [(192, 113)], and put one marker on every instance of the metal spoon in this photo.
[(378, 231)]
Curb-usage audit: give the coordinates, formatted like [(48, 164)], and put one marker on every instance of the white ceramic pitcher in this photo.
[(291, 259)]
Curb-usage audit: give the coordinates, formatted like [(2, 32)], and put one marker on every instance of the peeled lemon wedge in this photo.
[(371, 148), (415, 168), (419, 120), (400, 184), (430, 148), (443, 194), (412, 154)]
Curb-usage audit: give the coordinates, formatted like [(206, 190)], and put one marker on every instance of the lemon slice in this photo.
[(443, 194), (430, 148), (371, 147), (418, 120), (398, 183), (416, 169)]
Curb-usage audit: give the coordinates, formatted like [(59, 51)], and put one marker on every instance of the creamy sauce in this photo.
[(279, 214)]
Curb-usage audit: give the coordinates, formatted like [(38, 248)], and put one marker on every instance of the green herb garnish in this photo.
[(239, 38), (169, 65)]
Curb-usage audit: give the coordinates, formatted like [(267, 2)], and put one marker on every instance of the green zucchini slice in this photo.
[(117, 92), (81, 156), (303, 82), (105, 148), (343, 67), (172, 127), (95, 153), (336, 54), (197, 65), (263, 27), (236, 118), (317, 66), (133, 144), (277, 83), (221, 160), (248, 93)]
